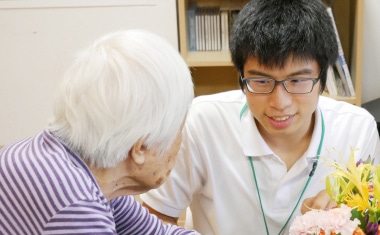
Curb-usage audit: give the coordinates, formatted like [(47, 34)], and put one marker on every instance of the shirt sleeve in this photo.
[(372, 146), (132, 218), (82, 217)]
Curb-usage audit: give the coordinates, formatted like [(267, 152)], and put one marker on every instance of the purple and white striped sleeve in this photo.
[(84, 217), (132, 218)]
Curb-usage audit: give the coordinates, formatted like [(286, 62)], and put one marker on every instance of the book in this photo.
[(224, 29), (208, 28), (191, 27), (217, 28), (331, 82), (212, 30), (341, 64), (340, 75), (206, 33), (339, 83), (199, 18)]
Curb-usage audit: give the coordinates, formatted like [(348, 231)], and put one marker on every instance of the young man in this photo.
[(251, 160), (116, 132)]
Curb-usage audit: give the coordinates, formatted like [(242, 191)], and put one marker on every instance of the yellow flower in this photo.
[(376, 183), (357, 185), (350, 183), (355, 200)]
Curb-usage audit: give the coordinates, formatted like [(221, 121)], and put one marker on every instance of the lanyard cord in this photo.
[(315, 164)]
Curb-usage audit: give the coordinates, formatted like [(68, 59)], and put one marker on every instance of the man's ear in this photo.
[(138, 152)]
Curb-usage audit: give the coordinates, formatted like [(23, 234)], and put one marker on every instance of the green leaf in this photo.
[(357, 214)]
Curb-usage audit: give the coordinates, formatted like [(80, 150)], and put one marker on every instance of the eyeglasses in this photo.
[(291, 85)]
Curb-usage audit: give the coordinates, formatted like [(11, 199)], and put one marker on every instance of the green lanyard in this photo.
[(315, 164)]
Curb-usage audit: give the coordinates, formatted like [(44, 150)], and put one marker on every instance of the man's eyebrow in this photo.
[(256, 72), (305, 71), (302, 72)]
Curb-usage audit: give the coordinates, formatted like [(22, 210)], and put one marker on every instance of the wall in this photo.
[(38, 39), (371, 51)]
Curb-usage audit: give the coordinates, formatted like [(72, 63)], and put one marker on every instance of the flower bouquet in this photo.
[(355, 187)]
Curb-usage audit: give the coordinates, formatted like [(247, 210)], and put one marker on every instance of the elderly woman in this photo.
[(116, 132)]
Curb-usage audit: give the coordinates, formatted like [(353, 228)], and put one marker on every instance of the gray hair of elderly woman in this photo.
[(127, 86)]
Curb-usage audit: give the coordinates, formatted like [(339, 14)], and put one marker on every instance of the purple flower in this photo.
[(361, 161), (371, 228)]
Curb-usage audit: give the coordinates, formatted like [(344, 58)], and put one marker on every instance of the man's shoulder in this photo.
[(216, 108), (336, 107)]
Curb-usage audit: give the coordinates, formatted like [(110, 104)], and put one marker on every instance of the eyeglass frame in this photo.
[(244, 81)]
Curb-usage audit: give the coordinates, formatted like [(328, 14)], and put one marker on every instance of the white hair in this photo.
[(128, 85)]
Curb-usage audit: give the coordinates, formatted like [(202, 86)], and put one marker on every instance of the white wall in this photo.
[(371, 51), (39, 38)]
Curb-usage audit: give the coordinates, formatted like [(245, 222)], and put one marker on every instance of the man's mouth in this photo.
[(279, 119)]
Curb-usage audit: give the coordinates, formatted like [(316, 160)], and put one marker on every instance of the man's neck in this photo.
[(290, 148)]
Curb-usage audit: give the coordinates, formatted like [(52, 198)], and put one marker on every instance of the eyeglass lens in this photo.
[(292, 85)]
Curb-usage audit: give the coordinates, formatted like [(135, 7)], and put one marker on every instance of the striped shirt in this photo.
[(45, 188)]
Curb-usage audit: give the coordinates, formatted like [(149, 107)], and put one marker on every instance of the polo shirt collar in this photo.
[(254, 145)]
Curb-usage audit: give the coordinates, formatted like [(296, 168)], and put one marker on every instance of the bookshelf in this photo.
[(213, 71)]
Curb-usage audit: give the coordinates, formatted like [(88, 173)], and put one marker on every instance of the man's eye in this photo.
[(298, 80), (262, 81)]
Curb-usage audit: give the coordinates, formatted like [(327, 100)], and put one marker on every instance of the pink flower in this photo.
[(336, 220)]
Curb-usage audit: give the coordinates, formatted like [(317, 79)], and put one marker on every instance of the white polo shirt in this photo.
[(213, 174)]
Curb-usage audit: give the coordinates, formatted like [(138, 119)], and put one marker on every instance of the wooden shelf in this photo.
[(351, 100), (356, 65), (207, 64), (208, 58), (209, 80)]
